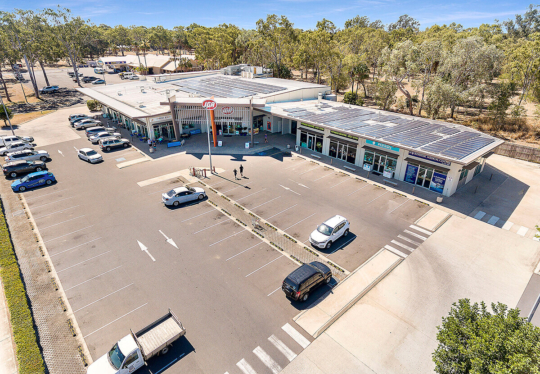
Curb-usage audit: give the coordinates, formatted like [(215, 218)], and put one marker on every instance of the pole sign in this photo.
[(227, 110), (209, 104)]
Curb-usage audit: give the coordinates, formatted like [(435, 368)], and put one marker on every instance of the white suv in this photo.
[(329, 231), (28, 155), (14, 147)]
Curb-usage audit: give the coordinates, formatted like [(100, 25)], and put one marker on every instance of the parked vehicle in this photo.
[(16, 168), (89, 155), (98, 81), (72, 74), (108, 144), (49, 89), (33, 180), (28, 155), (86, 123), (94, 139), (99, 71), (7, 140), (134, 77), (14, 147), (132, 351), (91, 131), (328, 232), (302, 281), (77, 116), (89, 79), (182, 195)]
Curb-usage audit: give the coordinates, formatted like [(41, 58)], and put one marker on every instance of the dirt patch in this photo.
[(24, 117)]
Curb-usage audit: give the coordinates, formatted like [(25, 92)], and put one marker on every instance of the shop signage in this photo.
[(227, 110), (366, 167), (437, 182), (344, 135), (382, 145), (429, 158), (312, 126), (162, 118), (410, 173), (209, 104), (115, 62)]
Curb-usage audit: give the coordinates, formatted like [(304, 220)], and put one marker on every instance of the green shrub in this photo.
[(93, 105), (28, 353), (350, 98)]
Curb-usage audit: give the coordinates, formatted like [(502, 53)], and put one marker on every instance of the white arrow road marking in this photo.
[(59, 151), (144, 249), (288, 189), (169, 240)]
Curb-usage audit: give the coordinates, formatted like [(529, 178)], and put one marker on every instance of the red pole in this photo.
[(213, 127)]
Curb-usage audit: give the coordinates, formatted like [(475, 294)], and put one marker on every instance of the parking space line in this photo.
[(73, 232), (110, 323), (267, 360), (58, 211), (230, 236), (206, 228), (88, 280), (266, 202), (104, 297), (299, 222), (295, 165), (264, 266), (59, 223), (245, 367), (52, 202), (400, 205), (282, 211), (343, 245), (82, 262), (377, 197), (37, 197), (293, 333), (198, 215), (279, 288), (346, 180), (414, 234), (324, 176), (80, 245), (367, 184), (308, 170), (245, 185), (245, 250), (250, 194), (286, 351)]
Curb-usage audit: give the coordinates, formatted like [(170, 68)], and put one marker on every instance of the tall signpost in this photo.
[(209, 105)]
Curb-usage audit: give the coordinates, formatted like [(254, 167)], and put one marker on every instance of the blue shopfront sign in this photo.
[(411, 173), (382, 145), (437, 182), (429, 158)]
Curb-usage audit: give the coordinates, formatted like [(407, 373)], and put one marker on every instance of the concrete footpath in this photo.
[(8, 361)]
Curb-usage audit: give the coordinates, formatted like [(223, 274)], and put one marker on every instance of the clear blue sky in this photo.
[(303, 13)]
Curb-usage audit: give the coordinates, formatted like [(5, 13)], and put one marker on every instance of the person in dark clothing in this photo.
[(265, 138), (235, 172), (241, 171)]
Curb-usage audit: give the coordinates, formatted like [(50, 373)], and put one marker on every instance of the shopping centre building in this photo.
[(435, 155)]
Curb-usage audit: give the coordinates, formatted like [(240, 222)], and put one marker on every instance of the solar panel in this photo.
[(443, 144), (220, 86), (464, 149)]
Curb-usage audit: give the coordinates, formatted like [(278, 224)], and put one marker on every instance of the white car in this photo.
[(134, 77), (104, 135), (7, 140), (84, 123), (89, 155), (28, 155), (182, 195), (14, 147), (328, 232)]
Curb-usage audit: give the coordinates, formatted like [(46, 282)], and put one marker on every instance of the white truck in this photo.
[(133, 350)]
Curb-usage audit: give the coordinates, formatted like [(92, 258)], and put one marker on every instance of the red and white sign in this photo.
[(227, 110), (209, 104)]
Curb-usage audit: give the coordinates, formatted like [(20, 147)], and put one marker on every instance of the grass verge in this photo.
[(28, 353)]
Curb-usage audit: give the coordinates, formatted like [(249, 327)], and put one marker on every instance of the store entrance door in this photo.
[(310, 141), (424, 177), (378, 163), (342, 151)]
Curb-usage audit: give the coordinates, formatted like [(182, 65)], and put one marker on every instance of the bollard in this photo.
[(491, 176), (369, 172), (205, 173), (413, 190), (331, 161), (475, 189)]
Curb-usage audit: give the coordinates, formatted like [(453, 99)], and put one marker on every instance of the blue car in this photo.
[(33, 180)]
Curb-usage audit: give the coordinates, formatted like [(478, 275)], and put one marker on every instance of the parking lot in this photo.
[(108, 241)]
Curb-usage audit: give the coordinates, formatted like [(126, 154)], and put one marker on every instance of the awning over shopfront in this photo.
[(427, 165), (380, 151), (343, 141), (471, 166)]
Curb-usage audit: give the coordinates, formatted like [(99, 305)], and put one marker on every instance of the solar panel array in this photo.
[(437, 138), (221, 86)]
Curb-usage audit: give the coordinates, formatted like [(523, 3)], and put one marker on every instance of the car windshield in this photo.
[(25, 179), (91, 153), (324, 229), (171, 193), (116, 357), (191, 189)]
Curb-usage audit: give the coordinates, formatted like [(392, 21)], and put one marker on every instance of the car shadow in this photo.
[(177, 351), (116, 149), (185, 205), (315, 297), (338, 245)]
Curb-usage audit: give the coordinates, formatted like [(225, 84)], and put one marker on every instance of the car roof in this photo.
[(86, 149), (21, 152), (301, 274), (39, 173), (94, 128), (334, 221), (180, 189), (16, 162)]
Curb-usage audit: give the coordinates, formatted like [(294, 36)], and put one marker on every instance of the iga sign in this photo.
[(209, 104), (227, 110)]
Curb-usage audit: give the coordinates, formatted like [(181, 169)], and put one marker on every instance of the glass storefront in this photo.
[(164, 131), (343, 151), (425, 176), (230, 127), (311, 141), (381, 163)]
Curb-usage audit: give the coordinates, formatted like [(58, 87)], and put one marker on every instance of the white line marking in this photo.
[(82, 262), (93, 332), (265, 203), (245, 250), (37, 197), (73, 232), (58, 211), (223, 221), (343, 245), (295, 165), (367, 184), (346, 180), (245, 367), (104, 297), (309, 170), (293, 333), (480, 215), (415, 235), (279, 288), (263, 266), (507, 225), (288, 189), (399, 206), (299, 222), (324, 176), (88, 280), (287, 352), (395, 251), (282, 211), (198, 215), (420, 229), (408, 240), (267, 360), (59, 223), (300, 184), (522, 231), (402, 245), (377, 197), (236, 187), (169, 240), (52, 202), (493, 220), (145, 249), (172, 362), (250, 194), (59, 151), (80, 245), (230, 236)]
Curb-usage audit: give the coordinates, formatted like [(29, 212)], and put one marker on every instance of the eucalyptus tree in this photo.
[(428, 58), (523, 62), (277, 33)]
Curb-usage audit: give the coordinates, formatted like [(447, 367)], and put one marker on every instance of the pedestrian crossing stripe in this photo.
[(267, 360), (403, 245), (293, 333), (287, 352), (420, 229), (395, 251)]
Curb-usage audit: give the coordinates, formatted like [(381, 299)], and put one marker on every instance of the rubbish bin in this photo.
[(151, 150), (439, 199)]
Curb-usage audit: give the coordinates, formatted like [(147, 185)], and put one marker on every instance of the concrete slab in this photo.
[(480, 215), (493, 220), (522, 231), (507, 225), (132, 162), (432, 219)]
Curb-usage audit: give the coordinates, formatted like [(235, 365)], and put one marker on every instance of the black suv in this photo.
[(15, 168), (305, 279), (89, 79)]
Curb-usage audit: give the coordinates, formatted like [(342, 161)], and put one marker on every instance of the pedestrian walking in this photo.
[(235, 172), (241, 171), (154, 145), (265, 138), (149, 142)]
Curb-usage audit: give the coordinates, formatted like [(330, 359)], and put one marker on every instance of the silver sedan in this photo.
[(182, 195)]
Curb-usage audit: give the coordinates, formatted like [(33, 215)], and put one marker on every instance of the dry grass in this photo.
[(16, 93), (24, 117)]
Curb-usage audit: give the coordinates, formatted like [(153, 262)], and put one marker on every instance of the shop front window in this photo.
[(368, 158), (303, 139), (463, 174), (311, 141), (351, 155), (318, 144), (333, 149), (391, 164), (424, 176)]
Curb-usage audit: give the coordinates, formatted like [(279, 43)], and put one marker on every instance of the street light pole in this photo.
[(6, 114)]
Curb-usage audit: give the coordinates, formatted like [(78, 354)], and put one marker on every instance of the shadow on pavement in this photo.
[(178, 351)]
